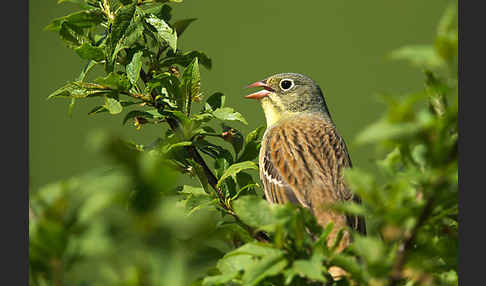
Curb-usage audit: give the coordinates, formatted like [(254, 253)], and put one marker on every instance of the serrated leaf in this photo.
[(185, 58), (229, 114), (134, 67), (81, 19), (236, 168), (89, 52), (79, 90), (266, 267), (181, 25), (253, 211), (164, 33), (114, 81), (121, 23), (71, 35), (309, 269), (229, 266), (112, 105), (133, 33), (190, 84)]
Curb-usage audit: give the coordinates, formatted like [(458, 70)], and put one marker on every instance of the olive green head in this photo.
[(288, 94)]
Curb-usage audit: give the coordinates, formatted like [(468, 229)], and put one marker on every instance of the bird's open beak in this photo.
[(262, 93)]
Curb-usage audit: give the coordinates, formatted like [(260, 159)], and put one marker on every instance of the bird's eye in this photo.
[(286, 84)]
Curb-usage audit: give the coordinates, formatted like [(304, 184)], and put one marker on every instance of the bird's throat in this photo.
[(273, 112)]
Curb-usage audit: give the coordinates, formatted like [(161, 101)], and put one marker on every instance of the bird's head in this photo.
[(288, 94)]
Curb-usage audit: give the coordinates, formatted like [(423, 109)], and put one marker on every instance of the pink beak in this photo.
[(262, 93)]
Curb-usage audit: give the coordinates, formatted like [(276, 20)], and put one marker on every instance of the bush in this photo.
[(131, 223)]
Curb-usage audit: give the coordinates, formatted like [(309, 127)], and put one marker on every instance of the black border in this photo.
[(15, 116), (471, 121)]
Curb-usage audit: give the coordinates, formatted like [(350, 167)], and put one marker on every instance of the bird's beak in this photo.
[(262, 93)]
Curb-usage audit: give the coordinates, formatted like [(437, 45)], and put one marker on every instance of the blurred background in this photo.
[(340, 44)]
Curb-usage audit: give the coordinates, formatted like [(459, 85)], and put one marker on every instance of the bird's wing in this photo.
[(302, 161), (275, 188)]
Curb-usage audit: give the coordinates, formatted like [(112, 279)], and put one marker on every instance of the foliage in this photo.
[(133, 224)]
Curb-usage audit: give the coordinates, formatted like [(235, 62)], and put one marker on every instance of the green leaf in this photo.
[(113, 105), (133, 33), (230, 266), (73, 36), (85, 70), (102, 108), (197, 198), (214, 150), (420, 56), (79, 90), (114, 81), (350, 208), (256, 249), (199, 171), (254, 211), (123, 18), (181, 25), (215, 101), (89, 52), (82, 4), (219, 279), (268, 266), (309, 269), (370, 248), (190, 84), (81, 19), (251, 148), (384, 130), (236, 168), (185, 58), (150, 114), (447, 35), (134, 67), (229, 114), (164, 32)]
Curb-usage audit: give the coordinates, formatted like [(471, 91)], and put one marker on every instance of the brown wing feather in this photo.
[(301, 161)]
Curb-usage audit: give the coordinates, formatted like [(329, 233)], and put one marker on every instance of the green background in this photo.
[(343, 45)]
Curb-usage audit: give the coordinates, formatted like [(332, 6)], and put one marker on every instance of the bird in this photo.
[(302, 156)]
